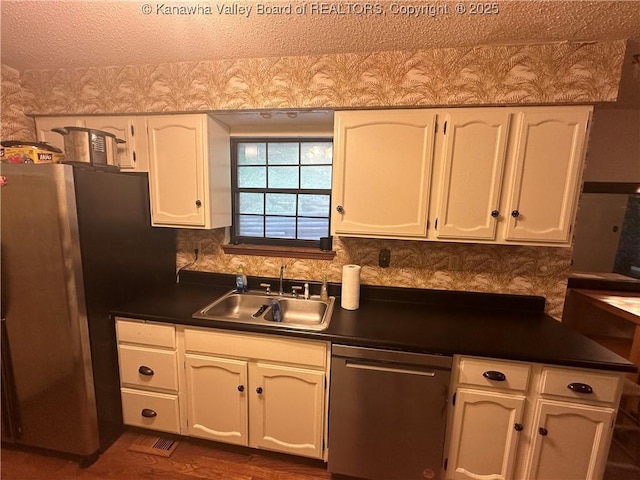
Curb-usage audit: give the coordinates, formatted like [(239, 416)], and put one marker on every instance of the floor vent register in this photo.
[(163, 447)]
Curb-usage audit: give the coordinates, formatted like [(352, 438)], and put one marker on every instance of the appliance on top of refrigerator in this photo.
[(75, 243)]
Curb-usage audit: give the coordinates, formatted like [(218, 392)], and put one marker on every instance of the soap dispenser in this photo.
[(241, 281), (324, 295)]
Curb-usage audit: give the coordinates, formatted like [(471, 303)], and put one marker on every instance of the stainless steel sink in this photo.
[(254, 307)]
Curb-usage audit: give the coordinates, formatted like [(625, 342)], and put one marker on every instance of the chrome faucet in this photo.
[(282, 267)]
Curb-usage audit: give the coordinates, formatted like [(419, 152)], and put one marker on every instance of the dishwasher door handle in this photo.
[(382, 368)]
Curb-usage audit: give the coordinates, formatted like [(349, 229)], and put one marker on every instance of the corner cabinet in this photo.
[(530, 421), (382, 172), (189, 171)]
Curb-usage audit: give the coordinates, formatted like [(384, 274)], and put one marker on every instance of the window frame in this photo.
[(236, 239)]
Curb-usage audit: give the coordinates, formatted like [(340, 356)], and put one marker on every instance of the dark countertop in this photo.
[(438, 322)]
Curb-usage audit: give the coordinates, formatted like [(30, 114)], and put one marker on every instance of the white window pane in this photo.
[(312, 228), (251, 203), (316, 153), (313, 205), (250, 226), (252, 177), (252, 154), (281, 204), (283, 153), (315, 177), (283, 177), (281, 227)]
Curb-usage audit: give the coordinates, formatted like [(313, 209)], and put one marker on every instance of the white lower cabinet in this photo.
[(256, 390), (217, 398), (261, 391), (148, 366), (489, 420), (286, 409), (153, 410), (571, 442), (512, 420)]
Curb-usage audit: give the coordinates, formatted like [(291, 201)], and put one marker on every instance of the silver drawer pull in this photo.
[(580, 387), (374, 368)]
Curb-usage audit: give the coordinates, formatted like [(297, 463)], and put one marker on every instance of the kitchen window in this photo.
[(281, 190)]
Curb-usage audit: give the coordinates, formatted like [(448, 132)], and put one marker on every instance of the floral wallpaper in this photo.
[(523, 74), (559, 73), (15, 124), (418, 264)]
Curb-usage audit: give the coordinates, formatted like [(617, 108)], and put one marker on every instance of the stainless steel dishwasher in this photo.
[(387, 413)]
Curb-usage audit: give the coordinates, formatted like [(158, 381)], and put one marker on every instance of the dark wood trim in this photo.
[(611, 187), (278, 251)]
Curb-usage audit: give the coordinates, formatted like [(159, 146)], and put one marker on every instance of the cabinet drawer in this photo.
[(272, 348), (165, 408), (603, 387), (146, 333), (146, 367), (478, 371)]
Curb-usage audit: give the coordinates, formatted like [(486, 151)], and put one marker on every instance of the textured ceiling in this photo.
[(83, 33)]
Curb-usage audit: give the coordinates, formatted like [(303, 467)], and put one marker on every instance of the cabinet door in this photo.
[(382, 172), (474, 158), (132, 153), (177, 169), (549, 153), (485, 433), (286, 409), (45, 124), (571, 441), (217, 398)]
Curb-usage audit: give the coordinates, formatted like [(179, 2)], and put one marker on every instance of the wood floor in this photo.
[(192, 459)]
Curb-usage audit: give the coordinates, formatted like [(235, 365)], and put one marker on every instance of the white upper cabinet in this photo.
[(45, 125), (475, 147), (506, 175), (548, 158), (382, 172), (189, 171), (132, 155)]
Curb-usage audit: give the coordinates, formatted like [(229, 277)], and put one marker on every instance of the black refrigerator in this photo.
[(75, 243)]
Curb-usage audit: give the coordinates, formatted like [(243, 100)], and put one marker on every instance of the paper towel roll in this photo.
[(350, 287)]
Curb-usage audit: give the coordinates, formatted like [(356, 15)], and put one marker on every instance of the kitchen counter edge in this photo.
[(526, 334)]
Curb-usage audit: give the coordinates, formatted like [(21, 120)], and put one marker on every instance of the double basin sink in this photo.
[(255, 307)]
